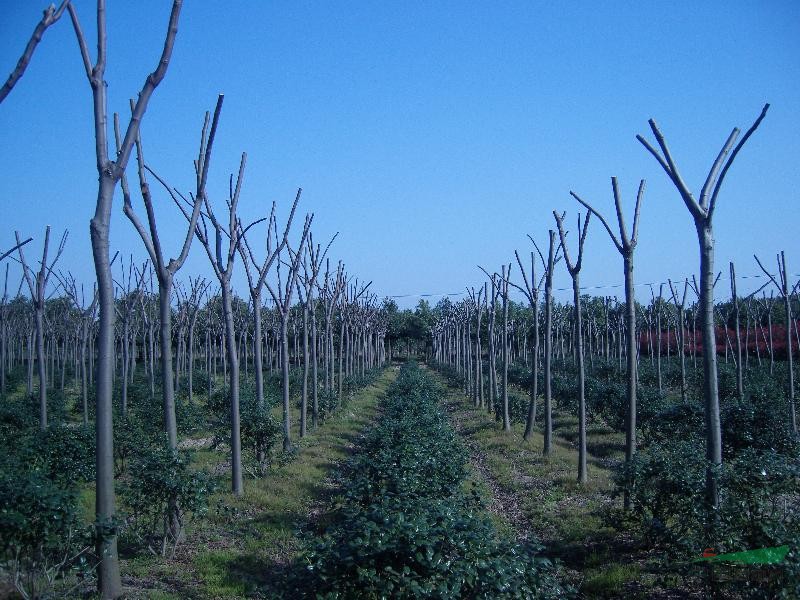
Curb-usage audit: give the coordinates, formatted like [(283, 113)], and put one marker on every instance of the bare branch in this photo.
[(50, 16)]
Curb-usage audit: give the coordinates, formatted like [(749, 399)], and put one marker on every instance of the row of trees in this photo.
[(103, 332), (456, 339)]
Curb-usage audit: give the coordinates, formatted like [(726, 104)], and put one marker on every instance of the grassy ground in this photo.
[(236, 550), (540, 497)]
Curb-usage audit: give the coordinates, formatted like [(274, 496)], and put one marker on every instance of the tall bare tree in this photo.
[(626, 245), (37, 290), (165, 269), (552, 259), (531, 290), (255, 283), (574, 269), (222, 265), (282, 297), (702, 211), (312, 263)]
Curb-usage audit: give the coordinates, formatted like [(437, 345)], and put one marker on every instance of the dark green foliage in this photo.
[(158, 480), (406, 528), (260, 430), (41, 536), (758, 493), (18, 415), (66, 454), (192, 417)]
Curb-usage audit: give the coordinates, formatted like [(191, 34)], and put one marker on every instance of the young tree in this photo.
[(223, 269), (282, 297), (681, 308), (165, 269), (784, 290), (574, 270), (255, 283), (531, 291), (702, 211), (312, 262), (626, 245), (38, 299), (552, 258)]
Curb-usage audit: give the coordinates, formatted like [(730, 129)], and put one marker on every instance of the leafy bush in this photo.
[(160, 492), (66, 454), (757, 488), (42, 539)]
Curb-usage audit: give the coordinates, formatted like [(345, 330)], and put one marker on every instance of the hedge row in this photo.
[(407, 526)]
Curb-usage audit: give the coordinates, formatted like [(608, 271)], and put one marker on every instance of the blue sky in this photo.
[(433, 136)]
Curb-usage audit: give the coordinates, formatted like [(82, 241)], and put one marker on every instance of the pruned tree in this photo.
[(626, 245), (87, 317), (165, 269), (785, 291), (312, 263), (681, 308), (702, 211), (37, 290), (574, 269), (282, 297), (222, 265), (552, 258), (531, 290)]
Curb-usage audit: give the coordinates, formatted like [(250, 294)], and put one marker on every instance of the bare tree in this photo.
[(784, 290), (552, 258), (681, 308), (626, 245), (574, 270), (282, 297), (255, 284), (223, 269), (702, 212), (37, 290), (312, 262), (531, 291), (165, 269)]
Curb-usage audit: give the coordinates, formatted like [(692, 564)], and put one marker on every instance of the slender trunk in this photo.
[(287, 439), (576, 293), (314, 370), (531, 422), (42, 366), (304, 395), (630, 324), (167, 383), (109, 581), (237, 485)]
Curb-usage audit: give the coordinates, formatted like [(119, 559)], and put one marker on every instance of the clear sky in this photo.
[(434, 136)]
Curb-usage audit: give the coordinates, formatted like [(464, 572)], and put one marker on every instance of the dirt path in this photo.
[(501, 502)]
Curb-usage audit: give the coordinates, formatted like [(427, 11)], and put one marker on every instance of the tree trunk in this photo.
[(287, 439), (705, 236), (237, 485)]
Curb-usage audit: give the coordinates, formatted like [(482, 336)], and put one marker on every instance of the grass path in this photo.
[(244, 542)]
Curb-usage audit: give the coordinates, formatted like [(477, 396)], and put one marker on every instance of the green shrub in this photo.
[(159, 494), (42, 539)]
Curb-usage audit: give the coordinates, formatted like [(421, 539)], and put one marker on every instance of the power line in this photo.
[(606, 286)]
